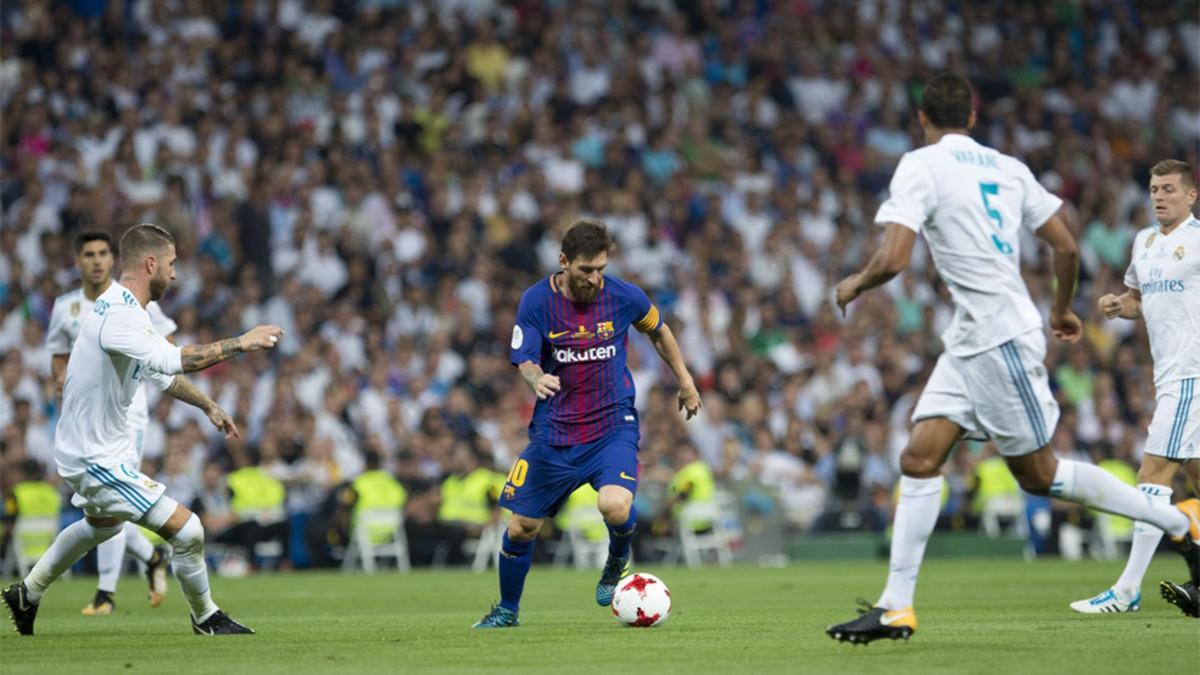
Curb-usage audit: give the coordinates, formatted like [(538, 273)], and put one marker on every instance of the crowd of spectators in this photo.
[(384, 178)]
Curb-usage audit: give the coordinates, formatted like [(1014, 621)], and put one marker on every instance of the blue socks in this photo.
[(516, 557), (620, 537)]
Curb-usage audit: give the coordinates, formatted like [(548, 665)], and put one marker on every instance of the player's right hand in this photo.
[(546, 386), (1111, 306), (261, 337)]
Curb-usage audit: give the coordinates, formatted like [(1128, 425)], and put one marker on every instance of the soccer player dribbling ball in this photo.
[(569, 344)]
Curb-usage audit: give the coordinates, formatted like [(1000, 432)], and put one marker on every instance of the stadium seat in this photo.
[(364, 549), (717, 537), (584, 551), (485, 549)]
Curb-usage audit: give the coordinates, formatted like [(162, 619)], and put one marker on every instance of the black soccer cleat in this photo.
[(1189, 543), (1185, 597), (220, 624), (875, 623), (20, 609)]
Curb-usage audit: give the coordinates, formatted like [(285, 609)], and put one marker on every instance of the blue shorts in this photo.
[(545, 475)]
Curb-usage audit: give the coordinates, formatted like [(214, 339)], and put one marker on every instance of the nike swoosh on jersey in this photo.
[(627, 476), (558, 334)]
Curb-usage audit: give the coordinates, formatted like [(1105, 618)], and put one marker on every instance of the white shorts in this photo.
[(1175, 427), (115, 492), (1002, 394)]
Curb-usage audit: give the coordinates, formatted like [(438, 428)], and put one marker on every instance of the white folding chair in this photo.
[(1010, 507), (486, 547), (585, 553), (363, 551), (715, 535), (32, 536)]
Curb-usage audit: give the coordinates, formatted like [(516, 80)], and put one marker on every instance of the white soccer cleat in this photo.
[(1111, 601)]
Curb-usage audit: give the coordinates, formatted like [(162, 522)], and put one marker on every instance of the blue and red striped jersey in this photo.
[(584, 345)]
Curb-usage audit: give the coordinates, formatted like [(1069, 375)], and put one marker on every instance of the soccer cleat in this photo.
[(875, 623), (156, 574), (615, 569), (1185, 597), (1108, 602), (220, 624), (20, 609), (101, 605), (1189, 542), (498, 617)]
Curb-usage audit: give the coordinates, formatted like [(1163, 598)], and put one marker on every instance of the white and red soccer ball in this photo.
[(641, 601)]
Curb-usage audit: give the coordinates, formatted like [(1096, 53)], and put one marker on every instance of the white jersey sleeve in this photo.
[(163, 324), (1131, 274), (912, 198), (161, 380), (126, 332), (1038, 204), (58, 340)]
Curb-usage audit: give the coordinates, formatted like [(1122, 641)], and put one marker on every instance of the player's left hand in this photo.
[(1066, 326), (689, 400), (847, 290), (224, 422)]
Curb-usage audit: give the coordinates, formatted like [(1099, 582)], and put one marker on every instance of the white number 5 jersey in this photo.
[(970, 202), (116, 349)]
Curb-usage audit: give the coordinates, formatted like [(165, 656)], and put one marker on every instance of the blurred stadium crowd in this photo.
[(383, 179)]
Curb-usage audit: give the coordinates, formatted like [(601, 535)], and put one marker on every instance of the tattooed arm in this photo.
[(183, 390), (199, 357)]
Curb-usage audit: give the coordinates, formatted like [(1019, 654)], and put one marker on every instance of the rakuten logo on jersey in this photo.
[(586, 355)]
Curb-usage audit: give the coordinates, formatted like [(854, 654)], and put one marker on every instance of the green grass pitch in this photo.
[(976, 616)]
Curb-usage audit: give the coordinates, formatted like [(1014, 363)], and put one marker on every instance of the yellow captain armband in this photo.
[(650, 321)]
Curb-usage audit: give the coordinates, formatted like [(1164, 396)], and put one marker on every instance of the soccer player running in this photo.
[(971, 202), (117, 348), (94, 259), (1163, 282), (569, 344)]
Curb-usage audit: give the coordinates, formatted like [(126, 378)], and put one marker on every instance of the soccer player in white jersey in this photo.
[(971, 202), (1163, 282), (117, 348), (94, 259)]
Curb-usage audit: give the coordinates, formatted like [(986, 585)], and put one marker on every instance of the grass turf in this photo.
[(976, 616)]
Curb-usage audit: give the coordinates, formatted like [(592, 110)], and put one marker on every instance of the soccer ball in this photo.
[(641, 601)]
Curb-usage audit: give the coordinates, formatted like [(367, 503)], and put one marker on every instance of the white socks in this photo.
[(188, 563), (1145, 543), (110, 555), (69, 546), (1094, 487), (916, 515)]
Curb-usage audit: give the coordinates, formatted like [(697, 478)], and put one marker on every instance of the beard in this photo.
[(583, 292), (158, 287)]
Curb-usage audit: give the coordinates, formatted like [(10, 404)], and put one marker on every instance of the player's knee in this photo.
[(615, 508), (189, 539), (106, 531), (915, 465), (521, 528)]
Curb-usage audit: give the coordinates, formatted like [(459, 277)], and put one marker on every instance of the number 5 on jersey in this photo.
[(986, 189)]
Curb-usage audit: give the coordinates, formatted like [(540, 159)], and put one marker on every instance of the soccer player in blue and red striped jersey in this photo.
[(569, 344)]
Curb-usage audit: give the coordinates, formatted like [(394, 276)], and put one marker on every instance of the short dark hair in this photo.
[(89, 236), (142, 240), (1171, 166), (946, 101), (586, 238)]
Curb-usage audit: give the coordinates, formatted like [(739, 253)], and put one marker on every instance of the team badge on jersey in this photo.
[(1178, 254), (604, 330), (75, 308)]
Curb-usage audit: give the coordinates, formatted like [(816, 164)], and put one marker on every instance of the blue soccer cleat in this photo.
[(498, 617), (1111, 601), (614, 570)]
